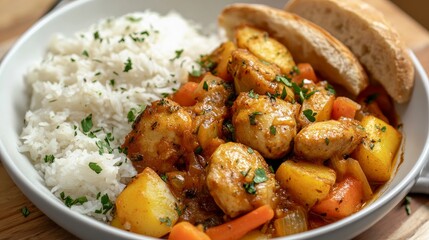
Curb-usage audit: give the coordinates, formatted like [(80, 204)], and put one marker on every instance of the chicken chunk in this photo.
[(264, 123), (320, 141), (159, 137), (212, 95), (239, 180), (251, 73)]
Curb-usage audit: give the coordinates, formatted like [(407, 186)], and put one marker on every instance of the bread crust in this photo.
[(306, 41), (369, 36)]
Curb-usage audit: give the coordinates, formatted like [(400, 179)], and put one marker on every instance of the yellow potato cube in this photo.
[(307, 182), (376, 153), (146, 206), (264, 47)]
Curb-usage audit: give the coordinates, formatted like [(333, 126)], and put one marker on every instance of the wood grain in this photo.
[(17, 15)]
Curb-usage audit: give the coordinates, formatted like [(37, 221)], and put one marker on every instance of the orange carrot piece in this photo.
[(185, 230), (238, 227), (343, 200), (184, 96), (306, 71), (344, 107)]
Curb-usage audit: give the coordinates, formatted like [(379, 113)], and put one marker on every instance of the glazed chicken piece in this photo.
[(320, 141), (160, 136), (264, 123), (212, 95), (251, 73), (239, 180)]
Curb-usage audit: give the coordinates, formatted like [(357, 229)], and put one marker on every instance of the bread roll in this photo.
[(306, 41), (365, 31)]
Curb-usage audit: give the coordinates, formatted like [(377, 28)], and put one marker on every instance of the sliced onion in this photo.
[(295, 221)]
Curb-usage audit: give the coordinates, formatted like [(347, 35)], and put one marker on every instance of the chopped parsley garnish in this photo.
[(166, 221), (284, 93), (252, 117), (106, 204), (260, 177), (327, 141), (95, 167), (273, 130), (178, 210), (49, 158), (250, 188), (96, 35), (245, 173), (250, 150), (164, 177), (295, 70), (330, 89), (383, 129), (198, 150), (283, 79), (205, 86), (85, 53), (133, 113), (252, 94), (309, 114), (72, 60), (25, 212), (69, 201), (195, 72), (407, 204), (178, 54), (128, 65), (134, 19), (112, 82), (86, 123)]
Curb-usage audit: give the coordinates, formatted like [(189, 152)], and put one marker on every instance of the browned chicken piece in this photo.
[(159, 137), (317, 103), (264, 123), (212, 95), (320, 141), (239, 180), (251, 73)]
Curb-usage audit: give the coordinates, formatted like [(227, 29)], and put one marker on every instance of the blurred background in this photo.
[(418, 9)]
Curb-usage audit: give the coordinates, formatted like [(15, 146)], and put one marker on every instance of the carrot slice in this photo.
[(344, 107), (184, 96), (238, 227), (185, 230), (305, 71)]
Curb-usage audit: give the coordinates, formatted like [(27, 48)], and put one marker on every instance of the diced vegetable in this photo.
[(351, 167), (295, 221), (344, 199), (147, 206), (376, 153), (304, 71), (239, 227), (222, 55), (185, 230), (307, 182), (185, 95), (344, 107), (264, 47)]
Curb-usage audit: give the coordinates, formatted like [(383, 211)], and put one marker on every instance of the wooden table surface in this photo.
[(17, 15)]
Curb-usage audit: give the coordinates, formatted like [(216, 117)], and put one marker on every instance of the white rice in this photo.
[(86, 75)]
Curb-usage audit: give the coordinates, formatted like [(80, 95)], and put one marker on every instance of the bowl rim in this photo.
[(57, 211)]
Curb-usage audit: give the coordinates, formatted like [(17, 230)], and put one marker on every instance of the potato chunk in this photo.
[(264, 47), (307, 182), (147, 206), (376, 153)]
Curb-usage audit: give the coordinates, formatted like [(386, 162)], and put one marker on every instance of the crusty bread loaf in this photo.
[(365, 31), (306, 41)]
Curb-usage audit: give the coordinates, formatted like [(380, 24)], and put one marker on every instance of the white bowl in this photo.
[(79, 15)]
